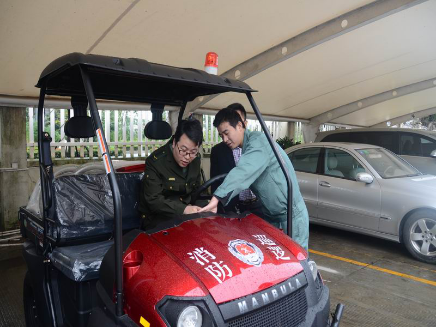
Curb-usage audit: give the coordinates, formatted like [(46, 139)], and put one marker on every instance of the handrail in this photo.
[(118, 228), (279, 159)]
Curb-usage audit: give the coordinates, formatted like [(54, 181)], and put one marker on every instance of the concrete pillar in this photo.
[(14, 178), (291, 130), (309, 132), (173, 118), (199, 117)]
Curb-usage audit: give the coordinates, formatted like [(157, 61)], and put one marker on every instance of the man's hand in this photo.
[(191, 209), (211, 207)]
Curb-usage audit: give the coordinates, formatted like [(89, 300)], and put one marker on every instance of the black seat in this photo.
[(84, 220), (80, 262), (84, 207)]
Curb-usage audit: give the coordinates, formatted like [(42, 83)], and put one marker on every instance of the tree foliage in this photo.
[(286, 142)]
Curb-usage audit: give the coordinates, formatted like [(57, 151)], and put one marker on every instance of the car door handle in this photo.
[(325, 184)]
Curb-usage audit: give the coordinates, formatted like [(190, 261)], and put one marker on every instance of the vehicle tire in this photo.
[(419, 235), (30, 310)]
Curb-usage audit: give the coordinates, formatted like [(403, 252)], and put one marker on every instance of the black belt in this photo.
[(248, 202)]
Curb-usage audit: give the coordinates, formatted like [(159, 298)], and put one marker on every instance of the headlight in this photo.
[(190, 317), (314, 269)]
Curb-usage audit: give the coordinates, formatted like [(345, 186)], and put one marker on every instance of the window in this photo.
[(387, 164), (337, 137), (414, 145), (427, 146), (339, 163), (305, 160), (387, 140)]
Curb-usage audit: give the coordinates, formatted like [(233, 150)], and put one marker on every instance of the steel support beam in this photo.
[(253, 116), (309, 39), (349, 108), (404, 118)]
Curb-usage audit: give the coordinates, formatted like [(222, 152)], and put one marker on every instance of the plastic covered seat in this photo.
[(84, 207), (80, 262)]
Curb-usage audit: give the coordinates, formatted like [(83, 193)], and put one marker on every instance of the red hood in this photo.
[(231, 257)]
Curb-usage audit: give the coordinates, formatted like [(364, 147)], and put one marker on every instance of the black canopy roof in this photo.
[(134, 80)]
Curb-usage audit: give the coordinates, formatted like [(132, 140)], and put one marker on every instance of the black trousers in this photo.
[(253, 207)]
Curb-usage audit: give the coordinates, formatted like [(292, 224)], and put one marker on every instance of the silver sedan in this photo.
[(370, 190)]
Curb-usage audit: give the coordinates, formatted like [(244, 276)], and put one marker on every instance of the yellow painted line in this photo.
[(367, 265)]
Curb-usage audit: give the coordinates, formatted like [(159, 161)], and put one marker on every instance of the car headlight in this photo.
[(314, 269), (190, 317)]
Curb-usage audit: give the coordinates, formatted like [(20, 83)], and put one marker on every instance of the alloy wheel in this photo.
[(423, 236)]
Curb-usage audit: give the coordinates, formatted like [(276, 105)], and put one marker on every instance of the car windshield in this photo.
[(387, 164)]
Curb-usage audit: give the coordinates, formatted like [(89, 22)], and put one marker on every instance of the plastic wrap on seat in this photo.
[(35, 202), (84, 204), (80, 262)]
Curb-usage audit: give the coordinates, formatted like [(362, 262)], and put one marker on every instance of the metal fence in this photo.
[(123, 132)]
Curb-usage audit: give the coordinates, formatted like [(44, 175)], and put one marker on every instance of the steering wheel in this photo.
[(389, 171), (197, 194)]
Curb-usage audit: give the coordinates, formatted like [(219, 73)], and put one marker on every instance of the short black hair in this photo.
[(238, 107), (193, 130), (228, 115)]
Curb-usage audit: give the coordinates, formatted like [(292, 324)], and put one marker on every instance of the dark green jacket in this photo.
[(166, 187)]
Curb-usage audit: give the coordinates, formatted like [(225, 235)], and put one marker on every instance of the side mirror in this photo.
[(365, 178), (433, 154)]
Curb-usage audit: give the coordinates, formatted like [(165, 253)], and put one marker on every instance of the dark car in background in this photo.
[(418, 147)]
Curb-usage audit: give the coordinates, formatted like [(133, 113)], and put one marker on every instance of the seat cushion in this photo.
[(84, 206), (80, 262)]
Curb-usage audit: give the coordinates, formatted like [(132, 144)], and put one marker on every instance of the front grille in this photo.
[(287, 312)]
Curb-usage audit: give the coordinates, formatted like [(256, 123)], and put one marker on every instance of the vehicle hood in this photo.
[(416, 185), (231, 257)]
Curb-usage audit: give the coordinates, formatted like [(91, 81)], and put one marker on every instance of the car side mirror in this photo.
[(365, 178), (433, 154)]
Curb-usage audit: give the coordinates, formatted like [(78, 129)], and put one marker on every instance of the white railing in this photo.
[(210, 134), (273, 126), (327, 127), (123, 132)]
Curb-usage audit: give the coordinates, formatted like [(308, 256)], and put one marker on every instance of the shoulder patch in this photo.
[(156, 155)]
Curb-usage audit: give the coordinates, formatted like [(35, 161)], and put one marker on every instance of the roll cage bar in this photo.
[(132, 80)]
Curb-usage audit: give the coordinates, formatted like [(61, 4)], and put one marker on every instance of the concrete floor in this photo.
[(12, 273), (371, 297)]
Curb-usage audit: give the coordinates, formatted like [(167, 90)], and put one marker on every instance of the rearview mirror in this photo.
[(433, 154), (364, 177)]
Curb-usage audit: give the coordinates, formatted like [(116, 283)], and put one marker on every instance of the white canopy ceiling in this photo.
[(354, 62)]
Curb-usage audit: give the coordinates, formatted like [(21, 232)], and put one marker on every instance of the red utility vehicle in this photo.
[(88, 262)]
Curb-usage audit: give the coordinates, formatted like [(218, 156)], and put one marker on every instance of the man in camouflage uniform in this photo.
[(171, 174)]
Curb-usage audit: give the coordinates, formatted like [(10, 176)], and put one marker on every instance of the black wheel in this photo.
[(419, 235), (30, 310)]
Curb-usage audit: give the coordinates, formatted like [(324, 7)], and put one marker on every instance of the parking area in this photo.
[(377, 280)]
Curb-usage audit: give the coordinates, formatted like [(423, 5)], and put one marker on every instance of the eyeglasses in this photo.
[(183, 152)]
